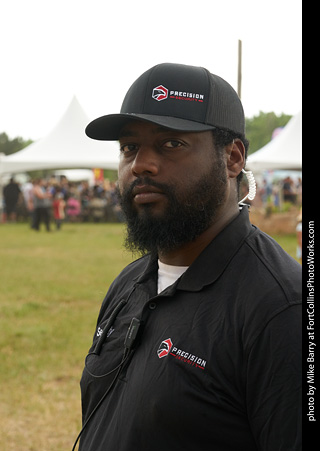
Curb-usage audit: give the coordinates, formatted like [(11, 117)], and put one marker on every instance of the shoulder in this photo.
[(133, 270), (124, 282), (268, 286), (271, 263)]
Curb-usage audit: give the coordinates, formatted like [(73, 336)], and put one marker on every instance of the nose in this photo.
[(146, 161)]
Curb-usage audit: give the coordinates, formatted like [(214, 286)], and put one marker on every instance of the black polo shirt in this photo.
[(216, 362)]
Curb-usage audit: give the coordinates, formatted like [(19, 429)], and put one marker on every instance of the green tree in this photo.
[(8, 146), (259, 129)]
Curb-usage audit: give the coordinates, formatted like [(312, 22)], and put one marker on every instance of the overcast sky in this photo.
[(53, 50)]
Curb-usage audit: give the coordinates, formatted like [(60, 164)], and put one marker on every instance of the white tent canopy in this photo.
[(283, 152), (67, 146)]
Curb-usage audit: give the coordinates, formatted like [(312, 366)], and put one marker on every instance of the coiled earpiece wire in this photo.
[(252, 186)]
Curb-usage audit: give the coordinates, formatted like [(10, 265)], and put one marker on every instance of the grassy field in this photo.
[(52, 285)]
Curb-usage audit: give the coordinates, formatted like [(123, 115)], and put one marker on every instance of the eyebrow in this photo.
[(125, 134)]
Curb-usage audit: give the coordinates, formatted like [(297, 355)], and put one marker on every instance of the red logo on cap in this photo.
[(160, 93)]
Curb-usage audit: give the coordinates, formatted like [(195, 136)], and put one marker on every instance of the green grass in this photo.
[(52, 286), (288, 243)]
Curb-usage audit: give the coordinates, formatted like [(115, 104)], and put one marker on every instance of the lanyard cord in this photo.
[(128, 343), (103, 337), (119, 368), (124, 358), (110, 321)]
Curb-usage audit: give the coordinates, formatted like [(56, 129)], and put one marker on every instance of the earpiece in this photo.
[(252, 186)]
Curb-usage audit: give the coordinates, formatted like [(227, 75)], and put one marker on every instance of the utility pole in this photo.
[(239, 67)]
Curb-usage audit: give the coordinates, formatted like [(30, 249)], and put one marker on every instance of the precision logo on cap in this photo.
[(160, 93), (183, 95)]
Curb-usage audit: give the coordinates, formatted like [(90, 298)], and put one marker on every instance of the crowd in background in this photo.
[(57, 200), (47, 201), (276, 193)]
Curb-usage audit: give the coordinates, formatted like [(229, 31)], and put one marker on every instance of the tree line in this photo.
[(9, 146), (259, 131)]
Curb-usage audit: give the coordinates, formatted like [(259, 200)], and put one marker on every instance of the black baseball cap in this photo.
[(176, 96)]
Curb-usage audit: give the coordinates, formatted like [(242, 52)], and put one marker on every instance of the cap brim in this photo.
[(108, 128)]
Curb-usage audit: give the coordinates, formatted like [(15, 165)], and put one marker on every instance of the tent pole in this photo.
[(239, 67)]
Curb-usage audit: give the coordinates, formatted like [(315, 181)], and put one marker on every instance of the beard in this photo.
[(190, 211)]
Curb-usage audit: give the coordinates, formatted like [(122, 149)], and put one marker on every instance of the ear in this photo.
[(235, 157)]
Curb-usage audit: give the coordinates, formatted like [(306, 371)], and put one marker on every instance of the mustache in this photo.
[(164, 188)]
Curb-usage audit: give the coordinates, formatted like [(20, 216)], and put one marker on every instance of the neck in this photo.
[(186, 254)]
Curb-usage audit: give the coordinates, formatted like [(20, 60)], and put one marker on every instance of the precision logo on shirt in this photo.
[(166, 348)]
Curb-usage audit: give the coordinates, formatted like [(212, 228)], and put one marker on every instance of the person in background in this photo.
[(299, 236), (73, 207), (289, 190), (58, 205), (97, 205), (27, 190), (42, 204), (11, 195), (197, 344), (85, 193)]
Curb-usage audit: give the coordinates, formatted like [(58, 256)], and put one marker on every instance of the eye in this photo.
[(172, 144), (127, 148)]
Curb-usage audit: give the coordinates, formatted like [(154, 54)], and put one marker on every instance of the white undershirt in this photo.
[(168, 274)]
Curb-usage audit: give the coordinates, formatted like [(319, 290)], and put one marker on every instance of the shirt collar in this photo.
[(216, 256)]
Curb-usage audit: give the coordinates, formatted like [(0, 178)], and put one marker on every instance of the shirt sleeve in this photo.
[(274, 383)]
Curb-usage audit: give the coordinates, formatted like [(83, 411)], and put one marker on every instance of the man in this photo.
[(11, 195), (42, 204), (197, 342)]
